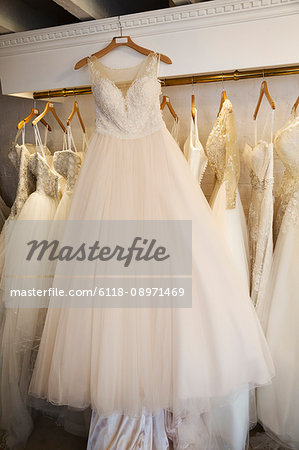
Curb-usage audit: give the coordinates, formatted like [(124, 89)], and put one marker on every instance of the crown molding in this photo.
[(198, 15)]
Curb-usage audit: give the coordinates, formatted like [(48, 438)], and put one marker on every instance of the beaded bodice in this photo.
[(223, 153), (19, 155), (46, 178), (127, 100), (286, 143), (67, 163)]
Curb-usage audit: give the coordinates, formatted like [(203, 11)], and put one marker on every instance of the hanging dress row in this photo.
[(53, 178)]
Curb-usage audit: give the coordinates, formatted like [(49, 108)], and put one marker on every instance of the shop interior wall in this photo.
[(243, 94)]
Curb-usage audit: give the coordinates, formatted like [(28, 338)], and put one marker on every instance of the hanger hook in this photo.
[(222, 81), (34, 103), (263, 74)]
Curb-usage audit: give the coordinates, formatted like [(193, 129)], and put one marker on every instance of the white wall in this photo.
[(203, 37)]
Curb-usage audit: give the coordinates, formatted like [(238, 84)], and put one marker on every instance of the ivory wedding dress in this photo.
[(225, 201), (138, 361), (149, 433), (67, 163), (259, 160), (22, 326), (194, 152), (278, 404), (233, 421)]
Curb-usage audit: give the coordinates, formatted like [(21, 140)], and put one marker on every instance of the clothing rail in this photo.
[(178, 81)]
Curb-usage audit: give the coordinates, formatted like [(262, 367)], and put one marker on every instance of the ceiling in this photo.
[(23, 15)]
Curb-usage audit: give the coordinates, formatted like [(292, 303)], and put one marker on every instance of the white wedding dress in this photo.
[(223, 155), (194, 152), (67, 163), (259, 160), (278, 404), (22, 326), (225, 201), (149, 433), (139, 361)]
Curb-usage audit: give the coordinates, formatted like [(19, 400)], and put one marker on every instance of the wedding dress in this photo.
[(22, 325), (148, 432), (259, 160), (136, 361), (233, 421), (194, 152), (278, 404), (19, 155), (225, 201), (67, 163)]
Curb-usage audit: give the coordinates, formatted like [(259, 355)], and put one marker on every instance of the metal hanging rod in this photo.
[(179, 81)]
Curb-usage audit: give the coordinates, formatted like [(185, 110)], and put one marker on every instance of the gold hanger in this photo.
[(119, 41), (33, 113), (76, 110), (193, 101), (166, 101), (49, 108), (193, 106), (296, 104), (263, 91), (222, 100)]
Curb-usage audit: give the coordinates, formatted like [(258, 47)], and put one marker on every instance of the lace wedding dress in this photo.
[(22, 326), (225, 201), (278, 404), (259, 160), (136, 361), (194, 152), (223, 155), (67, 163)]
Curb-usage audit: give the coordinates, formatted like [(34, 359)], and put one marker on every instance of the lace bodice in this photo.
[(223, 154), (19, 155), (67, 163), (127, 100), (46, 178), (286, 144)]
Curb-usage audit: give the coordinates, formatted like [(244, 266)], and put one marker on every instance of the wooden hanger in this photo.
[(33, 113), (76, 110), (263, 91), (118, 41), (166, 101), (222, 100), (193, 106), (49, 107), (296, 104)]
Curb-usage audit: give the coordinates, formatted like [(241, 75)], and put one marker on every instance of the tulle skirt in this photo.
[(278, 404), (21, 330), (137, 361)]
